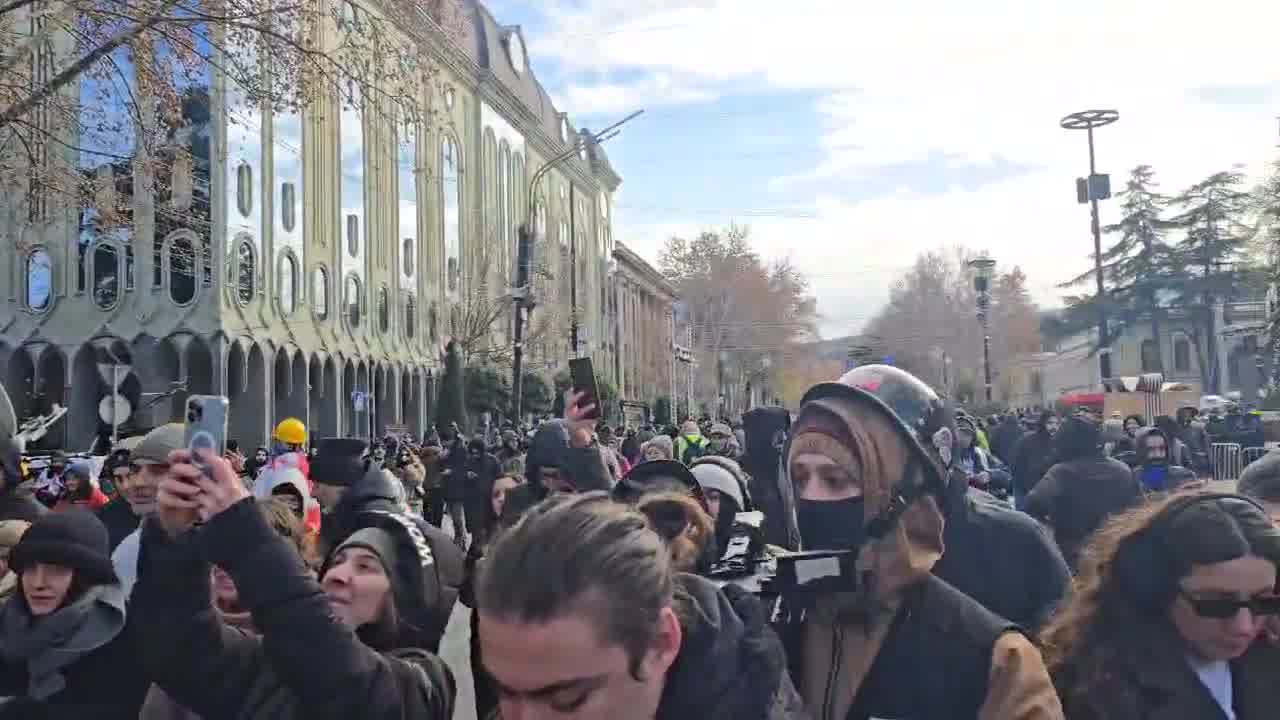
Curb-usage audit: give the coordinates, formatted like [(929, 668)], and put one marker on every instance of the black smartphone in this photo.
[(583, 376)]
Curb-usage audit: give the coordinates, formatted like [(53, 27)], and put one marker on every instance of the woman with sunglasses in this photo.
[(1167, 621)]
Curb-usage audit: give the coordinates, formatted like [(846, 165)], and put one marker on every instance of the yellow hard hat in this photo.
[(291, 431)]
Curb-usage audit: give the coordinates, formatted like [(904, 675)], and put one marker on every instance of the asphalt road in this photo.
[(455, 650)]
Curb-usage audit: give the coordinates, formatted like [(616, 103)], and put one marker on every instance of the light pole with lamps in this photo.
[(982, 267), (1092, 189)]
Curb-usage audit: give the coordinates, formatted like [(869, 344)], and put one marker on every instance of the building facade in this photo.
[(1236, 353), (308, 263), (643, 306)]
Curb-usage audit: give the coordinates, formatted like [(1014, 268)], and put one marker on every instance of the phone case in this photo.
[(206, 419)]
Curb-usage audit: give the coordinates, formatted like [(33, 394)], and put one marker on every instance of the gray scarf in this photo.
[(51, 643)]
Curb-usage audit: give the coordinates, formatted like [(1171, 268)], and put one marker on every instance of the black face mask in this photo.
[(831, 524)]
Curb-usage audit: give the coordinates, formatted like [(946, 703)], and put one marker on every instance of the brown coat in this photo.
[(1018, 686)]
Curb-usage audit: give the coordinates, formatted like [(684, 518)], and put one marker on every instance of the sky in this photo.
[(852, 136)]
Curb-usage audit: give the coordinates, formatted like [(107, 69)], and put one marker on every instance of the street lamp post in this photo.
[(1096, 187), (983, 266)]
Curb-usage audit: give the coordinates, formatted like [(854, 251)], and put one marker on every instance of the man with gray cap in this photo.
[(151, 457)]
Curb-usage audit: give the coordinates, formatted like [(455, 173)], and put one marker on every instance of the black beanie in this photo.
[(76, 539), (338, 461)]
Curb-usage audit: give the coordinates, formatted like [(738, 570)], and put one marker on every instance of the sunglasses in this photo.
[(1223, 608)]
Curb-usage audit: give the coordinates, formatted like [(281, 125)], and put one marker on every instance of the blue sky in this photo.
[(852, 136)]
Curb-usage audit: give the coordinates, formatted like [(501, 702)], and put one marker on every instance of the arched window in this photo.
[(182, 270), (407, 254), (39, 280), (1181, 355), (106, 276), (410, 315), (1150, 356), (502, 251), (246, 272), (353, 235), (287, 283), (288, 206), (407, 183), (384, 312), (244, 189), (451, 182), (320, 292), (351, 299)]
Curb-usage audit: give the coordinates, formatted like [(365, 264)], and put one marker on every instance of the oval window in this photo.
[(352, 301), (288, 206), (353, 235), (244, 189), (320, 292), (410, 315), (287, 283), (39, 279), (408, 257), (246, 272), (106, 276), (182, 270), (384, 312)]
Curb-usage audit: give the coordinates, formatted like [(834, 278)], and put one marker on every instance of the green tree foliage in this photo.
[(452, 406), (662, 410), (487, 391), (1267, 206), (536, 395), (1212, 214)]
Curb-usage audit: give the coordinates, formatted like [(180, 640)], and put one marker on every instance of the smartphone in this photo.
[(206, 421), (583, 376)]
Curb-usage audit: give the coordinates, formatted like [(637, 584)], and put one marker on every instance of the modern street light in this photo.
[(983, 266), (1092, 189)]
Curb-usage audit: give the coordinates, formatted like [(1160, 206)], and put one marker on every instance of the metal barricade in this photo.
[(1226, 461), (1250, 454)]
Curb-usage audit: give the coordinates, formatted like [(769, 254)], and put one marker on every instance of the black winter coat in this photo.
[(105, 684), (584, 468), (1076, 498), (731, 665), (1003, 559), (1033, 457), (306, 665), (19, 504), (119, 520)]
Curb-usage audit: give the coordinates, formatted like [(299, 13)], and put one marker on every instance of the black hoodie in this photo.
[(761, 460), (1175, 475), (16, 502), (731, 665), (583, 468), (305, 665)]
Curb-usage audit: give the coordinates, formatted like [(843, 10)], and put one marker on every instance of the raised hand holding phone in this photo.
[(580, 418)]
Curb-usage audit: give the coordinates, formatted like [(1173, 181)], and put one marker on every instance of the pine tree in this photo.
[(1136, 267), (453, 406), (1267, 205), (1212, 216)]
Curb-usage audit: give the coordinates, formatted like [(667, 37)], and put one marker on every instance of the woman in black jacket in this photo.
[(64, 652), (348, 646)]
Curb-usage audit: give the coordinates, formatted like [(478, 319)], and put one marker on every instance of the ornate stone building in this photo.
[(644, 302), (306, 264)]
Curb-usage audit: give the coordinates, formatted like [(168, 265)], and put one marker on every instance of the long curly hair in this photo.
[(1095, 644)]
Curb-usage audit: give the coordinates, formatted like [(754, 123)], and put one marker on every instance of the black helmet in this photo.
[(911, 406)]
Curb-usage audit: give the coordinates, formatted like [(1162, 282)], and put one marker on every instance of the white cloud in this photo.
[(618, 97), (974, 82)]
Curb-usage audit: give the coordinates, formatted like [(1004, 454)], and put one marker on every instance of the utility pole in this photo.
[(522, 296)]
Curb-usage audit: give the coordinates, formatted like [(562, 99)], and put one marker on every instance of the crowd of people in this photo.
[(879, 553)]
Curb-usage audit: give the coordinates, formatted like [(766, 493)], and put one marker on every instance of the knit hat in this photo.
[(689, 428), (377, 541), (721, 429), (713, 477), (156, 445), (76, 539), (820, 431), (11, 532), (338, 462), (663, 443)]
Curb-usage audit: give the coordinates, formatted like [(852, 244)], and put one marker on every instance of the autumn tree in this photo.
[(929, 325), (1266, 201), (742, 310)]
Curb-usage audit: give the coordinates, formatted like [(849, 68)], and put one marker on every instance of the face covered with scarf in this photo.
[(846, 457)]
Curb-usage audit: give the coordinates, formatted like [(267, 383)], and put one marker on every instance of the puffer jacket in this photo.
[(306, 665)]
